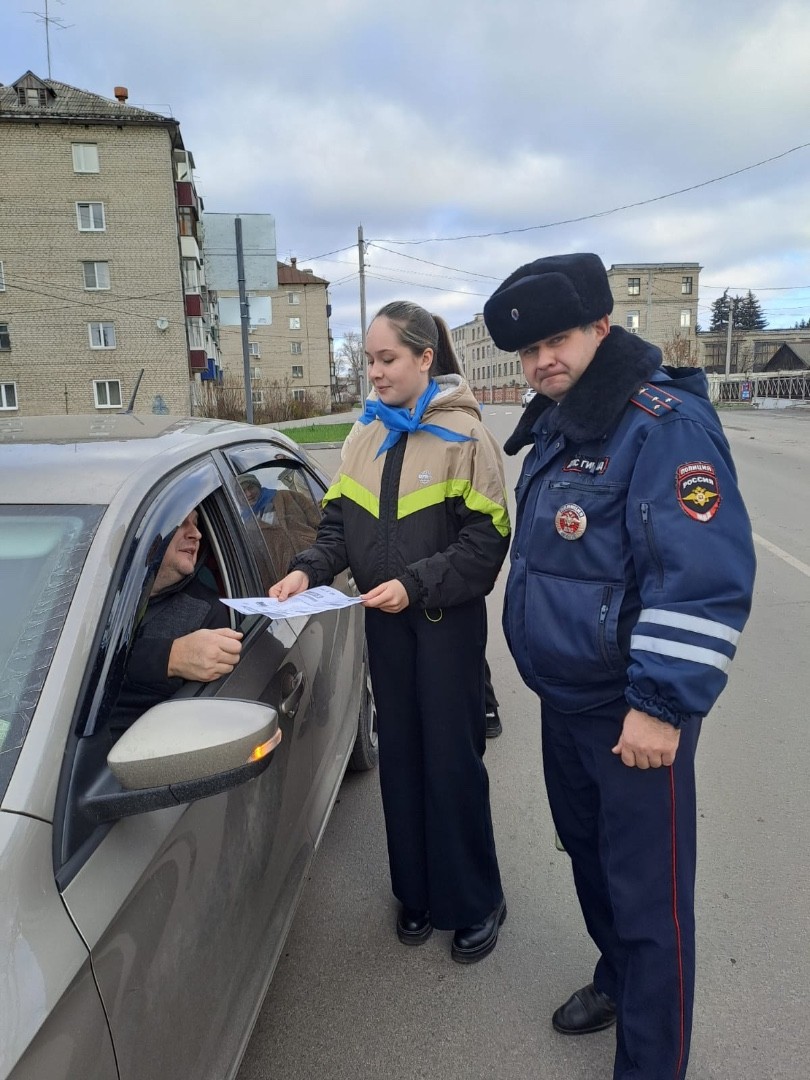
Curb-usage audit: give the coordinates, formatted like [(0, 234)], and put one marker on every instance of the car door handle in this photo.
[(289, 705)]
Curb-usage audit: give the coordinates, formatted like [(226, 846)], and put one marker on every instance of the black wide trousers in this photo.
[(427, 671)]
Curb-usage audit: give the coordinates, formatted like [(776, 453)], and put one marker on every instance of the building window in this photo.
[(2, 278), (85, 157), (298, 371), (8, 395), (685, 317), (295, 323), (255, 373), (101, 334), (254, 349), (257, 397), (107, 393), (186, 221), (196, 334), (90, 216), (299, 395), (686, 286), (96, 275), (632, 322), (32, 96), (295, 348), (634, 286), (191, 276), (293, 297), (5, 338)]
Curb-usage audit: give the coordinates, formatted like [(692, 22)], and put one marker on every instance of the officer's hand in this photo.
[(205, 655), (294, 583), (647, 742), (391, 596)]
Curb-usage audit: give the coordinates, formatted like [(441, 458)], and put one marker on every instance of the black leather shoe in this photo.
[(413, 927), (494, 726), (473, 943), (585, 1011)]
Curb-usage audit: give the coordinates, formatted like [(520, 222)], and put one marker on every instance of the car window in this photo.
[(42, 550), (280, 497)]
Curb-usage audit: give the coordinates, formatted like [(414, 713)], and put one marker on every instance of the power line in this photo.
[(429, 262), (600, 213)]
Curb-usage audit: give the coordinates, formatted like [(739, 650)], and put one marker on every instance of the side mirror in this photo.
[(181, 751)]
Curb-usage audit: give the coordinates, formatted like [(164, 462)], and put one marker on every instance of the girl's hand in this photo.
[(291, 585), (391, 596)]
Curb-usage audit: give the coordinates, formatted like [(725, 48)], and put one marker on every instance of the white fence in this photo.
[(775, 388)]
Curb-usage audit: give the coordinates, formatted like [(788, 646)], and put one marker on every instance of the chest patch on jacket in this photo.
[(697, 489), (582, 464)]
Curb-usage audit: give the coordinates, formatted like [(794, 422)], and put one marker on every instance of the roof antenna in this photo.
[(47, 19), (131, 405)]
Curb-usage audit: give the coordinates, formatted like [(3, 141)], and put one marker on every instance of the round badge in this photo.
[(571, 521)]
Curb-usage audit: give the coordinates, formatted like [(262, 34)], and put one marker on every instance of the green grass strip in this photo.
[(318, 433)]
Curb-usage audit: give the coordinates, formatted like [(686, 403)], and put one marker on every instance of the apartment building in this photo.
[(659, 301), (101, 270), (291, 350), (484, 365)]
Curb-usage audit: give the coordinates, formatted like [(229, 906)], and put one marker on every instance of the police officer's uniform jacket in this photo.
[(632, 564)]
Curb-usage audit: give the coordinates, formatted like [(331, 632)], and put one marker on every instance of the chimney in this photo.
[(293, 261), (121, 93)]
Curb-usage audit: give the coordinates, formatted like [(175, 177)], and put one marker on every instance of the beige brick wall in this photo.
[(659, 302), (482, 362), (276, 361), (45, 303)]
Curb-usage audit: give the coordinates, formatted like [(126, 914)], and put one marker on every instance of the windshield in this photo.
[(42, 550)]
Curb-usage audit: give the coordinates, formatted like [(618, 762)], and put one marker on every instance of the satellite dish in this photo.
[(162, 323)]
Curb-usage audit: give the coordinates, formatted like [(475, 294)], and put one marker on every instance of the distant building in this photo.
[(753, 350), (658, 301), (291, 352), (100, 263), (482, 362)]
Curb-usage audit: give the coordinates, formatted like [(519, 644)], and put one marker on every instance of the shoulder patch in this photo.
[(697, 489), (654, 400)]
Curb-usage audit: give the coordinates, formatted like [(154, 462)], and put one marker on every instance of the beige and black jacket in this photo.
[(429, 512)]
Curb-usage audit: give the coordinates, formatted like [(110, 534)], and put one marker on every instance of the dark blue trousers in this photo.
[(631, 837), (427, 671)]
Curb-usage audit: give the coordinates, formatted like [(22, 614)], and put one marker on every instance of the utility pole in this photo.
[(731, 304), (244, 318), (361, 254)]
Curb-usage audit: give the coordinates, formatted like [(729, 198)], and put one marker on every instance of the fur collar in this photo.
[(591, 407)]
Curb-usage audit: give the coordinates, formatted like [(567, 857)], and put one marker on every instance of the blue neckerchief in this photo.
[(397, 419)]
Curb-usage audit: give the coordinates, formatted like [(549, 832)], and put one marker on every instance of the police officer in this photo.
[(632, 569)]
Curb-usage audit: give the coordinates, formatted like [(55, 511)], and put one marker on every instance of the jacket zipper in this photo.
[(649, 532), (607, 596)]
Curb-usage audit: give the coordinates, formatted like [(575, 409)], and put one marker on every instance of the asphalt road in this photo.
[(348, 1002)]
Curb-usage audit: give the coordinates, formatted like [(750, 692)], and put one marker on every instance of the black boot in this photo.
[(585, 1011), (473, 943), (413, 927)]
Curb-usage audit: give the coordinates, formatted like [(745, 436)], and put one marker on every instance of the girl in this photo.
[(418, 513)]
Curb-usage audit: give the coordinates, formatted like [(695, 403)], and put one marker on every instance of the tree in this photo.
[(802, 324), (350, 359), (747, 312), (677, 351)]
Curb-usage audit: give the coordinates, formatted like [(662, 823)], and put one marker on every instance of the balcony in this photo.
[(197, 360), (187, 196), (194, 305)]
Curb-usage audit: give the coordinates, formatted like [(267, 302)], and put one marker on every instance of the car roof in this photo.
[(86, 459)]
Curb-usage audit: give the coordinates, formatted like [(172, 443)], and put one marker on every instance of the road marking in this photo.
[(797, 564)]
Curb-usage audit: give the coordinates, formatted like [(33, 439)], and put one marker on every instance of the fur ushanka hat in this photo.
[(545, 297)]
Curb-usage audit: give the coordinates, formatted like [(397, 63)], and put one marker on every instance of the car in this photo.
[(527, 396), (147, 882)]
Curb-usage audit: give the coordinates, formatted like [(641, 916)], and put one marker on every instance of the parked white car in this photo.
[(527, 396)]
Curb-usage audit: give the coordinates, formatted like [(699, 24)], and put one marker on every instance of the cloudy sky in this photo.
[(469, 136)]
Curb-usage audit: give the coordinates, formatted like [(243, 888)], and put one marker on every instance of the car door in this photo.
[(184, 910), (331, 642)]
